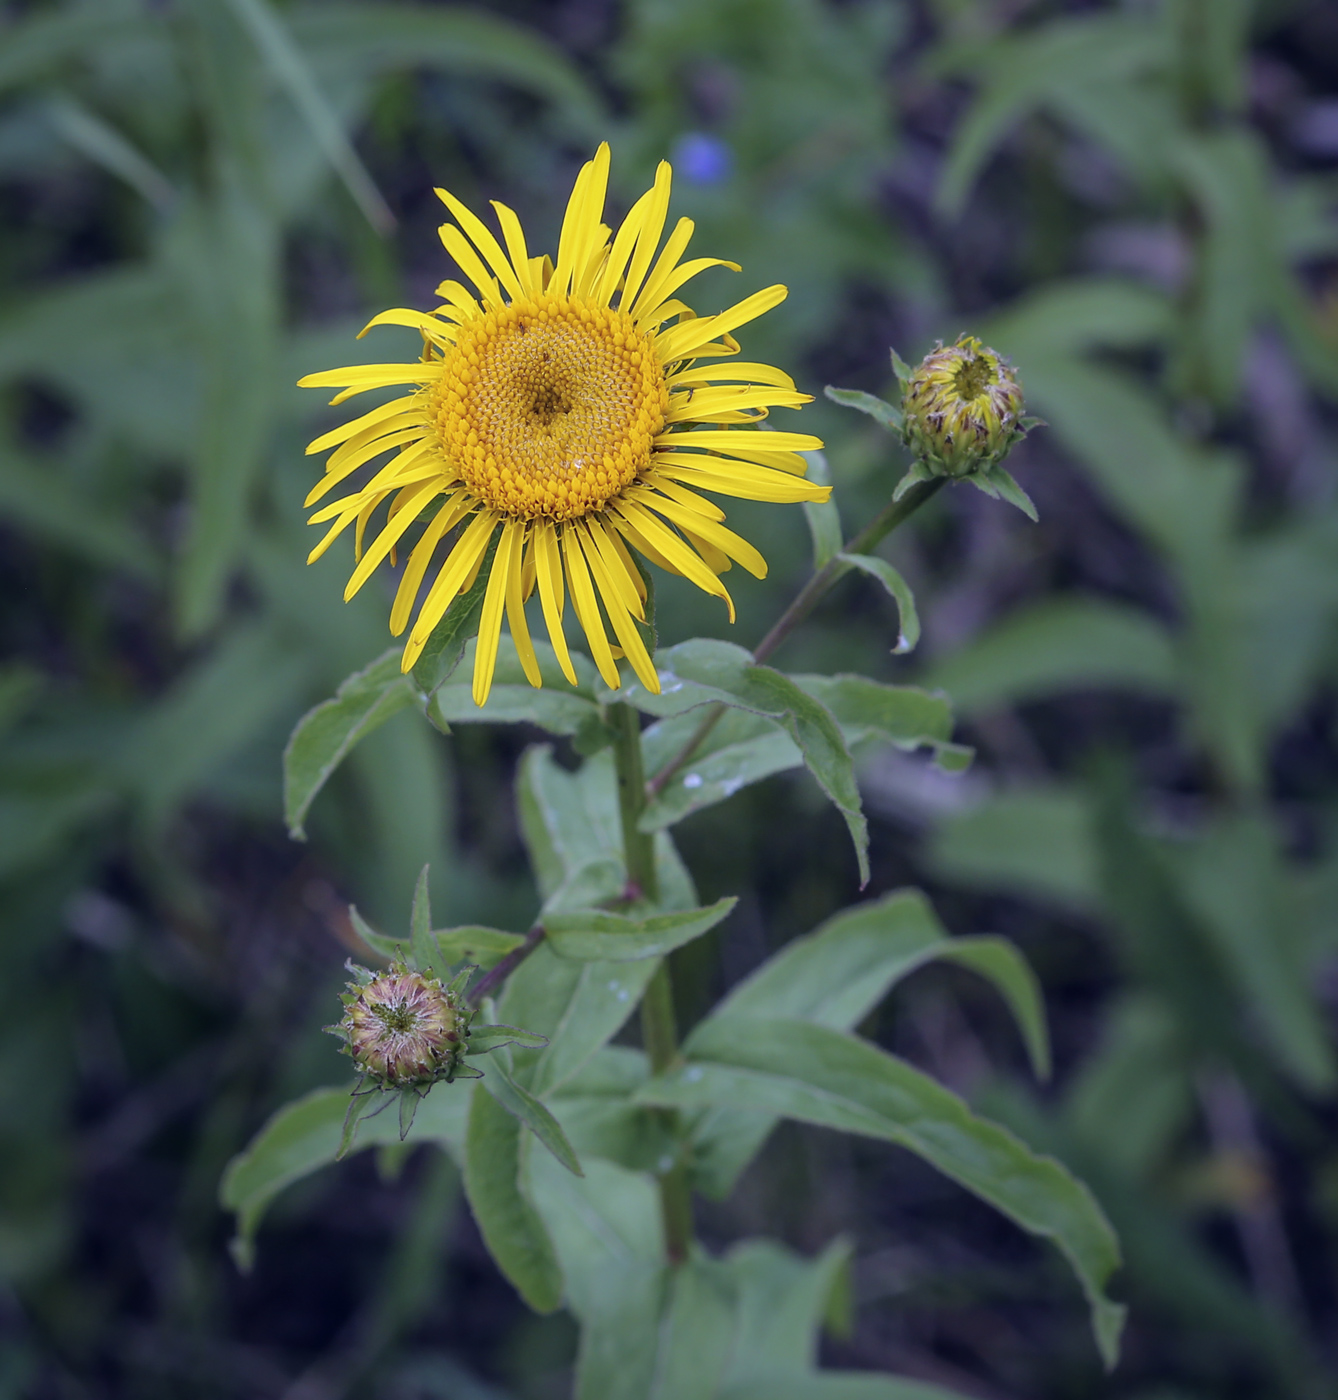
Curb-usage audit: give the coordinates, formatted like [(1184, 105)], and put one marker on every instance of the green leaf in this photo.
[(304, 1136), (1036, 841), (286, 61), (472, 943), (102, 143), (885, 413), (1056, 645), (701, 671), (824, 518), (579, 1006), (511, 1227), (820, 1076), (555, 707), (45, 40), (427, 951), (900, 714), (491, 1037), (834, 977), (898, 589), (459, 623), (325, 736), (520, 1102), (834, 1385), (589, 935), (999, 483)]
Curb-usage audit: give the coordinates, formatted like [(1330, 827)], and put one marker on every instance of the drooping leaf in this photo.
[(520, 1102), (704, 671), (304, 1136), (897, 588), (511, 1227), (325, 735), (589, 935), (817, 1075), (900, 714)]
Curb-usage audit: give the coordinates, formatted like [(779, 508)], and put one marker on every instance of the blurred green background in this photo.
[(201, 200)]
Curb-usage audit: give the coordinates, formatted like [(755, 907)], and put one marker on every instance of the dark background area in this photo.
[(1135, 202)]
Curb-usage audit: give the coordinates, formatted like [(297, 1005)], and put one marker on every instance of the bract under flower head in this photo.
[(963, 408), (571, 412)]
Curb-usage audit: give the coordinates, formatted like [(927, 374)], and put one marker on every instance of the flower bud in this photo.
[(401, 1028), (963, 409)]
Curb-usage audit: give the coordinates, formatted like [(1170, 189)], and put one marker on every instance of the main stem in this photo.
[(807, 599), (659, 1033)]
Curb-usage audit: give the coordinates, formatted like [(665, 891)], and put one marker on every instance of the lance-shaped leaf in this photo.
[(898, 590), (519, 1101), (304, 1136), (593, 934), (878, 409), (511, 1227), (834, 977), (442, 652), (491, 1037), (817, 1075), (427, 950), (472, 943), (326, 735), (903, 715), (834, 1385), (703, 671)]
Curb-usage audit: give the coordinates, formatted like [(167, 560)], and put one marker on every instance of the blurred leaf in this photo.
[(897, 589), (579, 1006), (700, 671), (44, 41), (835, 1385), (36, 496), (593, 934), (555, 707), (824, 518), (1023, 72), (1236, 883), (834, 977), (1037, 841), (288, 65), (821, 1076), (696, 1335), (1055, 645), (35, 825), (483, 946), (325, 735), (304, 1136), (528, 1110), (511, 1227), (1063, 317), (212, 710), (103, 143)]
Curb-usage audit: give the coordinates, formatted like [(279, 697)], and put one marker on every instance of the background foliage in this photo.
[(1133, 201)]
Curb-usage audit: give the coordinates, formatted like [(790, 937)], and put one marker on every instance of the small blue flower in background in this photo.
[(702, 159)]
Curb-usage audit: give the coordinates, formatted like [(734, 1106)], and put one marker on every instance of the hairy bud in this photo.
[(963, 409), (401, 1028)]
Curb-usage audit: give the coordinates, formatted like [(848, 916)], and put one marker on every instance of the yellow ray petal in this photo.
[(681, 341), (452, 511), (648, 237), (740, 444), (469, 262), (746, 372), (615, 538), (515, 607), (628, 531), (359, 457), (548, 570), (689, 500), (740, 479), (661, 537), (417, 320), (580, 224), (621, 251), (691, 404), (490, 621), (628, 587), (461, 561), (587, 609), (359, 425), (714, 533), (614, 594), (408, 507), (341, 524), (475, 228), (516, 249)]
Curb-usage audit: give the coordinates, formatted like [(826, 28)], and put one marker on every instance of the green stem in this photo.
[(807, 599), (659, 1032)]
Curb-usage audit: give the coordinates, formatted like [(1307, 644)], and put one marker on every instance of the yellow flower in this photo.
[(573, 412)]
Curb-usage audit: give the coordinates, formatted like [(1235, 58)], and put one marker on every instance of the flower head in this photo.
[(572, 413), (963, 408), (401, 1028)]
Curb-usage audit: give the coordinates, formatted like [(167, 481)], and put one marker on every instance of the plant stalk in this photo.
[(659, 1032), (882, 525)]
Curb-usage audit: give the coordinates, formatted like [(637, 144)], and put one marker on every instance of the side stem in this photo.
[(805, 601), (659, 1031)]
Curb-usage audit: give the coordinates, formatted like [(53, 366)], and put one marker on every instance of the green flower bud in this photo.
[(401, 1027), (963, 409)]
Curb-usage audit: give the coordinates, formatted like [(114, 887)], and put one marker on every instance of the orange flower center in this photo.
[(549, 407)]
